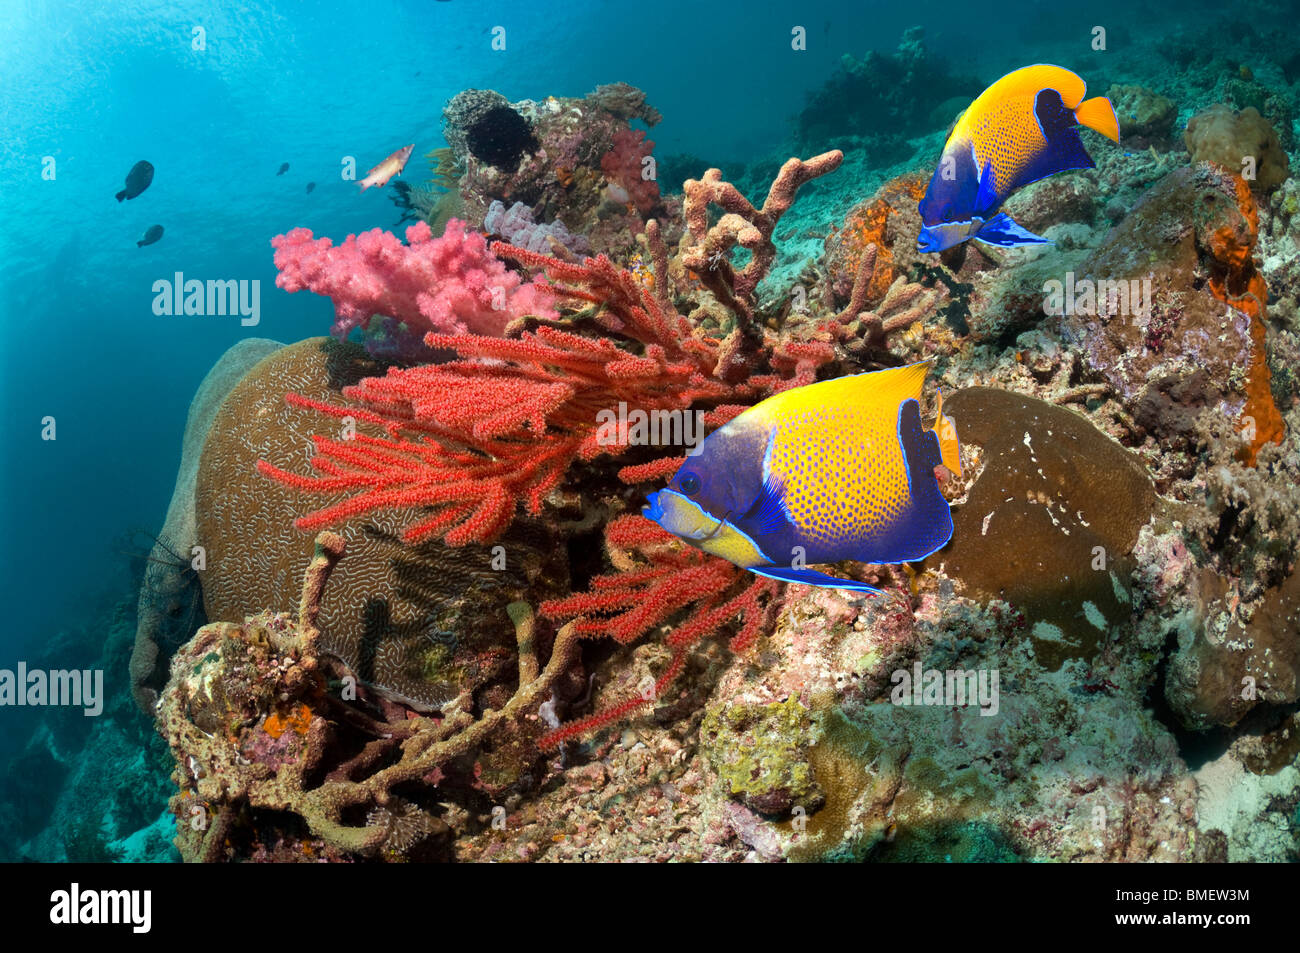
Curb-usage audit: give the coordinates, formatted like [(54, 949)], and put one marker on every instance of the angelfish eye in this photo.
[(689, 483)]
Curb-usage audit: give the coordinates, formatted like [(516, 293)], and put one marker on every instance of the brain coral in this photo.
[(168, 610), (1049, 522), (422, 622), (1225, 137)]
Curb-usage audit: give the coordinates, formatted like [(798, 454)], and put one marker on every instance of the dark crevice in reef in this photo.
[(1197, 748), (1227, 524), (1194, 747), (586, 558)]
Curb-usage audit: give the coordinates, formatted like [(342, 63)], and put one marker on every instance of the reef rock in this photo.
[(1228, 138), (1144, 317), (1226, 665), (1145, 117), (570, 160)]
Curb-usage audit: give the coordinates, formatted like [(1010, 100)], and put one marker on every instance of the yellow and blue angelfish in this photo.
[(840, 469), (1021, 129)]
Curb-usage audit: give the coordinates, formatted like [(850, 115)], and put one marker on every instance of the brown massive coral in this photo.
[(1050, 521), (422, 622)]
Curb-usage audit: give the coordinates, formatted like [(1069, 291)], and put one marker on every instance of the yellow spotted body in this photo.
[(1000, 124), (837, 455), (839, 470)]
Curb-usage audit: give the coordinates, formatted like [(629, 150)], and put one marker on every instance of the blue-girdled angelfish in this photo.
[(840, 469), (1021, 129)]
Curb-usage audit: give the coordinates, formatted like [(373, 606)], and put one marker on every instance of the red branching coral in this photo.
[(472, 438), (658, 578)]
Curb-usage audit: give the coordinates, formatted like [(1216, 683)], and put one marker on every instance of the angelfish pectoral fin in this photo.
[(810, 577), (949, 446), (1000, 230), (987, 196)]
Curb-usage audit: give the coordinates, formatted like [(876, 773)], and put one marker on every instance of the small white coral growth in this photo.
[(406, 824)]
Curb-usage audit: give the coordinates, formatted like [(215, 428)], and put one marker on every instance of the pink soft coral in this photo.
[(623, 166), (452, 284)]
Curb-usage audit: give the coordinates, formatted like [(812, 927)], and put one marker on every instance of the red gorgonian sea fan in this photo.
[(658, 576), (471, 439)]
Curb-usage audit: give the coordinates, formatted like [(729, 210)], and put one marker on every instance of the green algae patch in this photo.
[(1049, 523), (759, 752), (933, 794)]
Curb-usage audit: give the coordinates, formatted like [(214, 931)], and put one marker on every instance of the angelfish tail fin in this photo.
[(1098, 114)]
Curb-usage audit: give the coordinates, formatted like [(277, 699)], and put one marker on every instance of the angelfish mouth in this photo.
[(653, 510)]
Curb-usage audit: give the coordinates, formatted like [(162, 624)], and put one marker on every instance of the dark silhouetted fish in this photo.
[(284, 167), (137, 180), (152, 234), (310, 186)]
